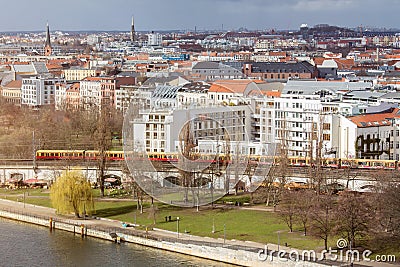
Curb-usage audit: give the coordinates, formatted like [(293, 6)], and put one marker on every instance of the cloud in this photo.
[(323, 5), (186, 14)]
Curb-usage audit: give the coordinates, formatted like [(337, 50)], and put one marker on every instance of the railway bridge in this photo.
[(166, 174)]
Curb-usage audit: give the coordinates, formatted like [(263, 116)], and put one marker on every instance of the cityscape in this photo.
[(288, 138)]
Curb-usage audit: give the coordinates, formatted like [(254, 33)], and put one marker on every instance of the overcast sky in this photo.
[(20, 15)]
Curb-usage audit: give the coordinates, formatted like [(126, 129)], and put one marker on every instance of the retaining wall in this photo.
[(217, 253)]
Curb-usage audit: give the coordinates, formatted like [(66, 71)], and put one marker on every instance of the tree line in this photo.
[(364, 219)]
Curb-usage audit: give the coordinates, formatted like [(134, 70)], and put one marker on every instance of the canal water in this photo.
[(23, 244)]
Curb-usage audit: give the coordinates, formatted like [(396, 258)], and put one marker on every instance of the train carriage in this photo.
[(221, 158)]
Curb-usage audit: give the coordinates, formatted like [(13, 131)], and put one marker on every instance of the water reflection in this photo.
[(24, 244)]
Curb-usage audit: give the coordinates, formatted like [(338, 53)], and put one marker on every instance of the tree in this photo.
[(390, 208), (353, 215), (153, 211), (72, 193), (386, 223), (322, 218), (316, 172), (304, 203), (288, 208), (108, 121)]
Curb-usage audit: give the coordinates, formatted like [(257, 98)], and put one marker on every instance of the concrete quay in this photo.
[(243, 253)]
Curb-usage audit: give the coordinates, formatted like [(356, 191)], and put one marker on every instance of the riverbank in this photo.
[(228, 251)]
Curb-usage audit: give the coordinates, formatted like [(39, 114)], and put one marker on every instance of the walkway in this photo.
[(20, 207)]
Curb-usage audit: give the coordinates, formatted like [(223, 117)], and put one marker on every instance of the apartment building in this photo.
[(11, 92), (127, 94), (160, 131), (301, 118), (78, 74), (193, 94), (211, 71), (39, 91), (72, 98), (368, 136), (280, 71), (100, 91), (154, 39)]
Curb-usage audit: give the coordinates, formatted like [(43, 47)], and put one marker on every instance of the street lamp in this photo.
[(279, 239), (224, 233), (177, 226)]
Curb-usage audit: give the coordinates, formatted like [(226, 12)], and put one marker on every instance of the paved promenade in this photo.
[(160, 234)]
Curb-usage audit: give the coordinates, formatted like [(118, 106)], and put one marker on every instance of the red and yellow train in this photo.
[(174, 157)]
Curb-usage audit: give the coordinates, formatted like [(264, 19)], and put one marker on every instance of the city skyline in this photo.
[(204, 15)]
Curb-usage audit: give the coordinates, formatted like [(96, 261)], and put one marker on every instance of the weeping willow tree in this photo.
[(72, 193)]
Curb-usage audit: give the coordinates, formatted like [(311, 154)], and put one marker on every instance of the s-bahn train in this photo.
[(43, 155)]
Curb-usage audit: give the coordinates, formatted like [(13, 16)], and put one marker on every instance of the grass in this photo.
[(258, 226), (240, 224)]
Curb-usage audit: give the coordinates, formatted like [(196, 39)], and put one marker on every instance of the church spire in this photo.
[(133, 33), (47, 46)]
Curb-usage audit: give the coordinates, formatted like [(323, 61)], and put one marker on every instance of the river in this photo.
[(23, 244)]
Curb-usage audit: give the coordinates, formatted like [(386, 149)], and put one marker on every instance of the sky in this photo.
[(28, 15)]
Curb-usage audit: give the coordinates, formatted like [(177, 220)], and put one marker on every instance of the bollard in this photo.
[(51, 223), (82, 230)]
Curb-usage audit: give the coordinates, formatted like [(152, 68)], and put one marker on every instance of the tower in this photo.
[(47, 45), (133, 33)]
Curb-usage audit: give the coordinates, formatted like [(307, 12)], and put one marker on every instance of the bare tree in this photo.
[(316, 172), (323, 218), (108, 120), (353, 215), (304, 204), (153, 211), (188, 154), (390, 209), (279, 172), (287, 208)]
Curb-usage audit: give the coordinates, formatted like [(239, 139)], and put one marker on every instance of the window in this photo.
[(326, 137), (326, 126)]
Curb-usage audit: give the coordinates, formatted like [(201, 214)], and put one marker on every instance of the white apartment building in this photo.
[(264, 45), (159, 131), (154, 39), (61, 95), (302, 117), (90, 92), (39, 91), (193, 94), (132, 93), (368, 136)]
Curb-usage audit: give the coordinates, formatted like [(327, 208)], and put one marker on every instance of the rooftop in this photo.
[(375, 119)]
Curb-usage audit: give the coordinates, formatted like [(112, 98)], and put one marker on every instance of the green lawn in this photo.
[(258, 226), (240, 224)]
